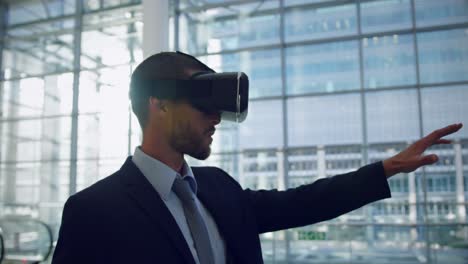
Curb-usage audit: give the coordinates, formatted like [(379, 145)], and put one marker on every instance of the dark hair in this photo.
[(164, 65)]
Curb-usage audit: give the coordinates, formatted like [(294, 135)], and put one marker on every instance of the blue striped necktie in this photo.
[(195, 221)]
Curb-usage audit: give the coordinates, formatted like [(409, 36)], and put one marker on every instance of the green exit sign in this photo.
[(311, 235)]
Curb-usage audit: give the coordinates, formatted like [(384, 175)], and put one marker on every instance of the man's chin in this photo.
[(202, 155)]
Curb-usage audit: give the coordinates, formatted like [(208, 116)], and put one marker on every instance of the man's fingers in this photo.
[(412, 155), (443, 141), (428, 159), (442, 132)]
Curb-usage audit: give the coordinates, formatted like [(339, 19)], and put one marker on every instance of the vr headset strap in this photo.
[(179, 89)]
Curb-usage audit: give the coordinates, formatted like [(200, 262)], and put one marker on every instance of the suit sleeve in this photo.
[(72, 242), (322, 200)]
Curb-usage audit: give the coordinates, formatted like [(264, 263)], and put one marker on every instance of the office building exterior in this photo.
[(334, 85)]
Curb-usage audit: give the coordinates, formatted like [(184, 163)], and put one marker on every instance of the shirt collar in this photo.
[(160, 175)]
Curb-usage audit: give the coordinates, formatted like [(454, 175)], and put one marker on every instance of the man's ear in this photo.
[(157, 104)]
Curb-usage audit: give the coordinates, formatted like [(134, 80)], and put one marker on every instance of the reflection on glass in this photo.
[(229, 28), (263, 127), (339, 159), (93, 5), (35, 50), (263, 68), (34, 182), (325, 132), (385, 15), (105, 90), (443, 56), (401, 186), (103, 132), (392, 116), (228, 162), (440, 182), (304, 2), (388, 61), (316, 23), (274, 247), (36, 107), (36, 139), (443, 106), (401, 208), (126, 39), (91, 170), (46, 96), (226, 138), (259, 169), (435, 12), (322, 68), (28, 11), (357, 243), (325, 120), (303, 166)]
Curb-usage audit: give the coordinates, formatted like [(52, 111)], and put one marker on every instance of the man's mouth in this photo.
[(211, 132)]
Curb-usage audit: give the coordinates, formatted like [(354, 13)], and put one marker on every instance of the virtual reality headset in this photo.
[(225, 93)]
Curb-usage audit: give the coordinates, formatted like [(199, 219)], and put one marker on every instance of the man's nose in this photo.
[(215, 117)]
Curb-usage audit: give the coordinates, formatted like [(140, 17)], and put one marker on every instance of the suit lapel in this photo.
[(224, 217), (141, 191)]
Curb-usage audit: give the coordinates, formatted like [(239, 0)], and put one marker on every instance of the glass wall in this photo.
[(65, 120), (337, 85)]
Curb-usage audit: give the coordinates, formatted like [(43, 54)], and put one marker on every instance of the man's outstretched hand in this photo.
[(413, 157)]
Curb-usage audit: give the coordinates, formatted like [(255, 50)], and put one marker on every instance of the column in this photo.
[(155, 26), (413, 211), (460, 192), (321, 162)]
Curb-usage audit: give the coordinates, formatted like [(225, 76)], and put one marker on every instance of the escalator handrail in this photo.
[(46, 226), (51, 238), (2, 243)]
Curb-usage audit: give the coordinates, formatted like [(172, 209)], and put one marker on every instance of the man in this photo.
[(140, 214)]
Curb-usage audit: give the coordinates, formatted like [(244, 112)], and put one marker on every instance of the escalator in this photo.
[(24, 240), (2, 247)]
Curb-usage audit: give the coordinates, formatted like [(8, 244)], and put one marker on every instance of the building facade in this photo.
[(334, 85)]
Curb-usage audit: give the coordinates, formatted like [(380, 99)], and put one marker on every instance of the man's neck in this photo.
[(171, 158)]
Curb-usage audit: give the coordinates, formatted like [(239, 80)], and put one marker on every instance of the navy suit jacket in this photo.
[(122, 219)]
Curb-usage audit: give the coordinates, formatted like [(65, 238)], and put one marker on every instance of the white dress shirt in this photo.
[(162, 177)]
